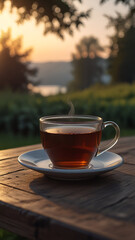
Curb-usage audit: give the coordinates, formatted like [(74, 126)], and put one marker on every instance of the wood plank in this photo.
[(103, 195), (91, 224), (38, 227), (127, 169), (99, 208), (107, 190), (8, 166), (124, 145), (129, 157), (14, 152)]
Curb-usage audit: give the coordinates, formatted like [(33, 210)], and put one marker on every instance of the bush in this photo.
[(20, 113)]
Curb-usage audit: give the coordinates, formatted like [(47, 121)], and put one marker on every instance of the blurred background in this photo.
[(56, 52), (53, 52)]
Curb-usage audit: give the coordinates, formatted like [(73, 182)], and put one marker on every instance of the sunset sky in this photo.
[(50, 47)]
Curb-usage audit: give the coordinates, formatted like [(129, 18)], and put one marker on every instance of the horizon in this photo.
[(54, 61), (51, 61)]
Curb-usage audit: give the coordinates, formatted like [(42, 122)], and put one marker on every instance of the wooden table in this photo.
[(37, 207)]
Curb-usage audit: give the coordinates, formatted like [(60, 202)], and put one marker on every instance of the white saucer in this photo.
[(38, 160)]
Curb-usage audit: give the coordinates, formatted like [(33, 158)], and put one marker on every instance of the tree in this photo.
[(14, 69), (59, 16), (86, 61), (122, 47), (126, 2)]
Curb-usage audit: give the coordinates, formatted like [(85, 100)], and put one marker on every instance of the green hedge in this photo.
[(19, 113)]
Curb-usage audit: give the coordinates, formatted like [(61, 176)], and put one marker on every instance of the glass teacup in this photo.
[(72, 141)]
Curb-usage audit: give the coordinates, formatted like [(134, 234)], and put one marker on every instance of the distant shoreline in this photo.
[(48, 90), (53, 73)]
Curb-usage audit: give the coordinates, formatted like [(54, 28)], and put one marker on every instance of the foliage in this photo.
[(5, 235), (126, 2), (58, 16), (88, 47), (122, 47), (14, 72), (87, 69), (20, 113)]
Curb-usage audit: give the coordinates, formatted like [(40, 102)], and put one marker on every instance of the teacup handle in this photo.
[(115, 139)]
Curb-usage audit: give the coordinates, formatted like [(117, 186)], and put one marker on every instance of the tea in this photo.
[(71, 146)]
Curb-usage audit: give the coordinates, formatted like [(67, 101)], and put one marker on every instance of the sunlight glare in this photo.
[(7, 19)]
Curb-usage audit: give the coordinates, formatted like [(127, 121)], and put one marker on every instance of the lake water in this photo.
[(46, 90)]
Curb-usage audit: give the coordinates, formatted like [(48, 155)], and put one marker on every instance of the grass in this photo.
[(6, 235), (11, 140), (127, 132)]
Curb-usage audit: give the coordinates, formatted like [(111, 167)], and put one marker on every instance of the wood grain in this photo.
[(37, 207), (15, 152)]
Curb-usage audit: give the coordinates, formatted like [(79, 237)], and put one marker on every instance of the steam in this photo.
[(72, 109)]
